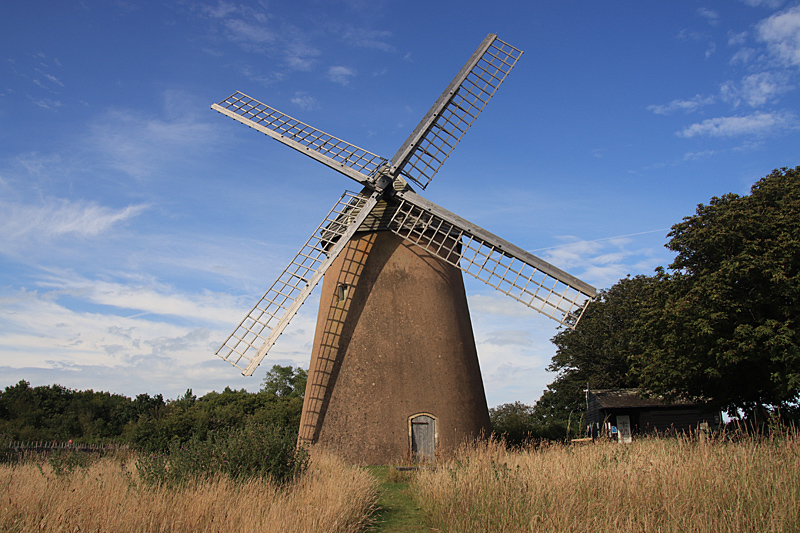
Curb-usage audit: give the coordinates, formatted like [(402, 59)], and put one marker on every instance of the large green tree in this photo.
[(285, 381), (723, 323), (597, 353)]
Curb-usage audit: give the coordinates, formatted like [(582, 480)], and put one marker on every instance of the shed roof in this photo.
[(619, 398)]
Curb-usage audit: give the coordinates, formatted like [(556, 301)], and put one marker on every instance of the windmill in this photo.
[(394, 371)]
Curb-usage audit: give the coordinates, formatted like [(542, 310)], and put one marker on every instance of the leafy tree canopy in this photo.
[(722, 323), (596, 354), (285, 382)]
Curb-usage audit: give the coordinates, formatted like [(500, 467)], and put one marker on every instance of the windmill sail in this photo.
[(349, 159), (440, 130), (506, 267), (247, 346)]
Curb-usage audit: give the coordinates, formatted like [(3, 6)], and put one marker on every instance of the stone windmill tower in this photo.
[(394, 371)]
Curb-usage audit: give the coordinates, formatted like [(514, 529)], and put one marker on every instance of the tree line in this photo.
[(57, 413), (719, 326)]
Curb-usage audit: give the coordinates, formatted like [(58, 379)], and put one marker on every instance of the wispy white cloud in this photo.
[(46, 103), (255, 29), (139, 145), (305, 101), (743, 56), (781, 33), (771, 4), (259, 77), (219, 11), (98, 350), (247, 32), (692, 156), (38, 326), (87, 332), (691, 35), (50, 78), (499, 305), (341, 75), (687, 106), (508, 338), (756, 90), (301, 55), (144, 297), (736, 39), (603, 262), (764, 85), (709, 14), (54, 218), (373, 39), (757, 124)]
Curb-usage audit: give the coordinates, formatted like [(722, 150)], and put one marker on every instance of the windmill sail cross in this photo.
[(475, 251)]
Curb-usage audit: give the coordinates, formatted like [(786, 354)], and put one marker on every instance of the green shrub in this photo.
[(64, 462), (253, 450)]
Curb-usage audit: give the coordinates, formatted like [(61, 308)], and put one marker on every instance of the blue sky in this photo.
[(137, 226)]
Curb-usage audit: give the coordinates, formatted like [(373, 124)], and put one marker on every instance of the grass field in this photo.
[(658, 485), (105, 496)]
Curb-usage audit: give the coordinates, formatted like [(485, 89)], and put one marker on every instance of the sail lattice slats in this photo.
[(244, 343), (453, 120), (522, 276), (260, 116)]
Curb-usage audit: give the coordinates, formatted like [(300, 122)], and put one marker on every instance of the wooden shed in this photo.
[(622, 413)]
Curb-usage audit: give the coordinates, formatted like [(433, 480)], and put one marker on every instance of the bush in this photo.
[(252, 451), (64, 462)]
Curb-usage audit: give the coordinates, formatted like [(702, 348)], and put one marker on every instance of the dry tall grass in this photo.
[(330, 496), (667, 485)]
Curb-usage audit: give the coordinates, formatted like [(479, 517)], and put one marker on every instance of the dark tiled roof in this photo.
[(619, 398)]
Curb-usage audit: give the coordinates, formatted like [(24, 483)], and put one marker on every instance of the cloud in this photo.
[(498, 304), (743, 56), (757, 89), (735, 39), (45, 331), (756, 124), (772, 4), (245, 32), (263, 79), (603, 262), (508, 338), (80, 333), (781, 33), (141, 146), (692, 156), (259, 31), (40, 337), (711, 16), (56, 218), (49, 77), (305, 101), (300, 56), (46, 103), (340, 75), (372, 39), (221, 10), (144, 297), (687, 106)]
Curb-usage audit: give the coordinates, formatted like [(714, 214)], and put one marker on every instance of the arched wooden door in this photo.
[(423, 437)]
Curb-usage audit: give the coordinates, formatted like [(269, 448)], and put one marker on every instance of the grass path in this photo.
[(397, 510)]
